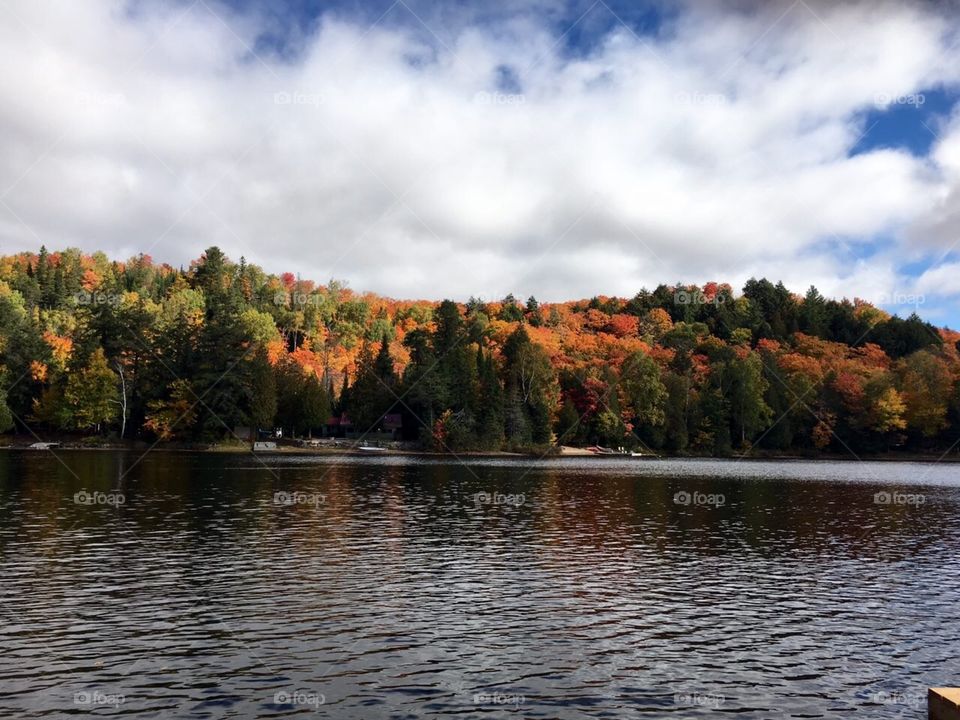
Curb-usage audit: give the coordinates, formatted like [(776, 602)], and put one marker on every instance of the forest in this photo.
[(135, 350)]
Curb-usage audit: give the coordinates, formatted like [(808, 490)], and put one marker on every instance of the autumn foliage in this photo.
[(188, 354)]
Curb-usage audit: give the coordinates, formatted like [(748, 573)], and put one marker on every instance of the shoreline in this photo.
[(554, 453)]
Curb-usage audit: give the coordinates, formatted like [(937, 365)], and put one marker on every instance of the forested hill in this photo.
[(148, 351)]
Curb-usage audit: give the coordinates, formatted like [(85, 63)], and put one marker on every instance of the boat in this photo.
[(619, 452), (44, 445), (371, 448)]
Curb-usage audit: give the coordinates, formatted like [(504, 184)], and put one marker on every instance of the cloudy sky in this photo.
[(449, 149)]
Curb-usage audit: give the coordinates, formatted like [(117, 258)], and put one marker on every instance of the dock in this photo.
[(943, 703)]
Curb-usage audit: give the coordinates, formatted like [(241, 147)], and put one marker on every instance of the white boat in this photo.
[(44, 445), (371, 448)]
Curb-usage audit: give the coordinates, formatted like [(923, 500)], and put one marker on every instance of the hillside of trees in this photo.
[(150, 352)]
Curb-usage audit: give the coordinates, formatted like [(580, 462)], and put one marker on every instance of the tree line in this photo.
[(146, 351)]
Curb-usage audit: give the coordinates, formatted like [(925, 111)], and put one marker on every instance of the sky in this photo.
[(534, 147)]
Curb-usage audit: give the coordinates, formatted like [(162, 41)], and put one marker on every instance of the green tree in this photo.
[(676, 434), (422, 388), (813, 314), (372, 394), (263, 409), (173, 417), (6, 417), (746, 387), (315, 406), (532, 393), (92, 395), (489, 403), (643, 390)]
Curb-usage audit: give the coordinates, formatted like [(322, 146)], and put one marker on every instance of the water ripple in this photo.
[(392, 588)]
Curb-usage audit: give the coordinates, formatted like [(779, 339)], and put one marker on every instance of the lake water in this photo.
[(205, 585)]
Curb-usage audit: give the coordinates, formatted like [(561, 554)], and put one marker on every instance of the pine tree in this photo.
[(372, 393), (531, 390), (489, 403), (263, 395), (315, 406), (6, 417)]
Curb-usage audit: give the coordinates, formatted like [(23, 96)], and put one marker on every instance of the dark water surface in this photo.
[(234, 586)]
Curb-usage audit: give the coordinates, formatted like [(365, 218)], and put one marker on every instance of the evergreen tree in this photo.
[(373, 392), (422, 389), (531, 391), (6, 417), (813, 314), (222, 374), (315, 404), (199, 352), (489, 403), (510, 311), (173, 416), (263, 405), (676, 416)]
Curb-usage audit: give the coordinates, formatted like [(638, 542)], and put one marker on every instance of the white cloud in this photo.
[(717, 150)]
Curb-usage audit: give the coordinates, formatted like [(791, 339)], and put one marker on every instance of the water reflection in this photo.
[(225, 587)]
